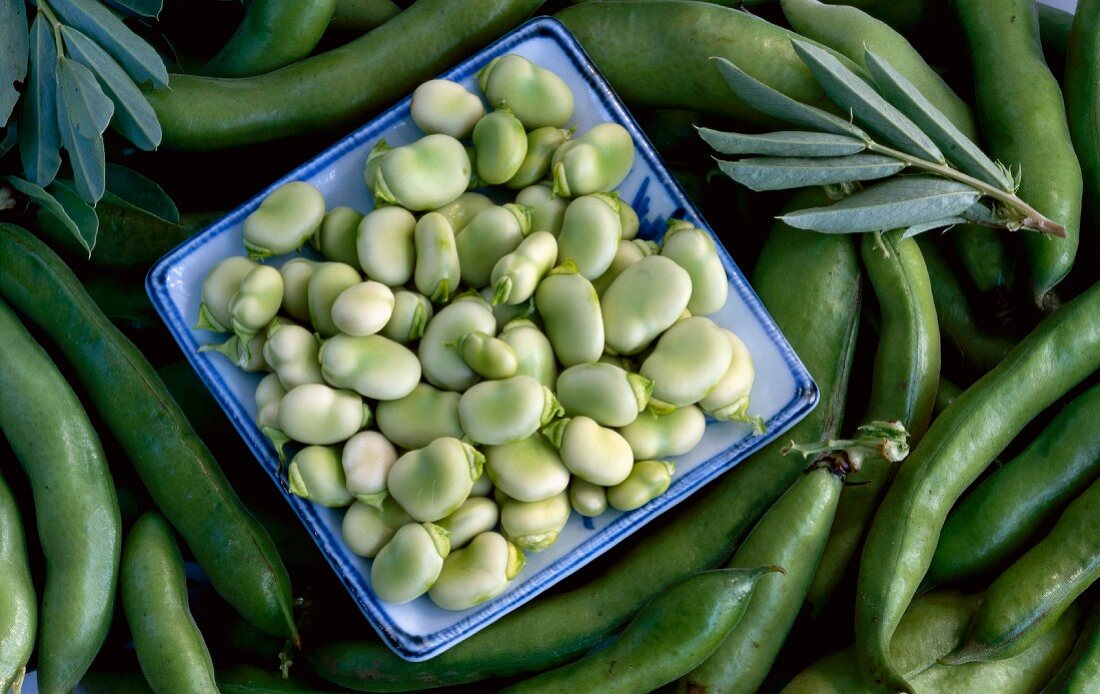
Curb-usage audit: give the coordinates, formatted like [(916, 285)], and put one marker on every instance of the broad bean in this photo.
[(367, 458), (363, 309), (483, 487), (411, 313), (328, 281), (690, 359), (591, 452), (420, 417), (316, 473), (247, 355), (547, 209), (728, 400), (291, 352), (541, 144), (385, 245), (537, 96), (336, 238), (476, 515), (437, 272), (529, 469), (644, 301), (256, 301), (315, 414), (500, 144), (595, 162), (648, 479), (534, 525), (491, 235), (587, 499), (423, 175), (269, 393), (517, 274), (288, 216), (590, 233), (504, 411), (372, 365), (506, 313), (627, 253), (570, 310), (654, 435), (608, 394), (445, 107), (464, 208), (490, 357), (476, 573), (431, 483), (218, 288), (629, 219), (536, 356), (368, 527), (441, 365), (409, 564), (693, 249), (296, 274)]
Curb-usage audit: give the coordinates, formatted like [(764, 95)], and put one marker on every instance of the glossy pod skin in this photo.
[(545, 633), (679, 628), (233, 549), (1028, 598), (272, 34), (326, 91), (153, 591), (1081, 671), (743, 660), (77, 512), (1022, 495), (903, 388), (1082, 90), (1022, 116), (18, 606), (570, 311), (960, 444)]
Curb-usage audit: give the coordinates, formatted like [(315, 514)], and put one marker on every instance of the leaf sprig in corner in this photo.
[(893, 130)]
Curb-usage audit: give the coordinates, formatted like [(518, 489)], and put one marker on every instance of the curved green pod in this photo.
[(363, 309), (536, 356), (529, 469), (476, 573), (504, 411), (536, 95), (476, 515), (592, 453), (491, 235), (18, 606), (273, 33), (316, 473), (316, 414), (570, 311), (367, 528), (285, 219), (291, 352), (385, 245), (373, 366), (654, 435), (422, 175), (328, 281), (516, 275), (445, 107), (644, 301), (296, 274), (420, 417), (534, 525), (430, 483), (648, 479), (500, 144), (410, 316), (689, 360), (590, 233), (442, 366), (438, 272), (547, 209), (217, 290), (336, 239), (693, 249), (366, 460), (595, 162), (1081, 670), (607, 393), (541, 144), (408, 565)]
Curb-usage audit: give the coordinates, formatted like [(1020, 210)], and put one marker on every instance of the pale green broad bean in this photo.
[(729, 399), (536, 356), (570, 311), (367, 528), (646, 481), (689, 360), (336, 238), (247, 355), (420, 417), (483, 487), (430, 483), (367, 458), (629, 218), (407, 566), (547, 209), (218, 288), (464, 208), (506, 313), (316, 473), (411, 313), (477, 573), (534, 525), (591, 452), (372, 365), (541, 144), (363, 308), (500, 144), (590, 233), (529, 469), (498, 412), (693, 249), (517, 274), (422, 175), (437, 272), (654, 435), (628, 252), (256, 301), (476, 515), (644, 301), (296, 274), (291, 352), (385, 246), (607, 394), (587, 499), (488, 356), (491, 235), (328, 281), (288, 216), (595, 162), (315, 414), (269, 393), (445, 107), (442, 366), (537, 96)]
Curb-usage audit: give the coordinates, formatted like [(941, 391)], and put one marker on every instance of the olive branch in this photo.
[(892, 128)]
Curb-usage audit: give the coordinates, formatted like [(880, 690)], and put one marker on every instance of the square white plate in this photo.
[(783, 392)]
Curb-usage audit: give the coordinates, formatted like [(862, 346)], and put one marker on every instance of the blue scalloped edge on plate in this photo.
[(172, 283)]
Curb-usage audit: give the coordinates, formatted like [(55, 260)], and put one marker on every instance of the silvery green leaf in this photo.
[(137, 57), (781, 173), (778, 105), (957, 147), (134, 117), (50, 205), (83, 114), (39, 138), (139, 8), (898, 202), (979, 213), (127, 188), (786, 143), (915, 229), (14, 40), (847, 90), (80, 212)]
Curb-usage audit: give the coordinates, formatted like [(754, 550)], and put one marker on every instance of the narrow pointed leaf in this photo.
[(39, 138), (899, 202), (139, 8), (14, 43), (80, 212), (847, 90), (916, 229), (781, 173), (134, 117), (778, 105), (83, 114), (127, 188), (49, 204), (787, 143), (138, 58), (957, 147), (979, 213)]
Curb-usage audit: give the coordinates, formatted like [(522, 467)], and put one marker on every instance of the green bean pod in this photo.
[(1082, 89), (570, 311), (546, 633), (1022, 495), (153, 590), (1023, 119), (18, 608), (233, 549), (1061, 351), (1081, 671), (903, 388), (77, 512), (1029, 597), (678, 629), (743, 660), (946, 394), (272, 34)]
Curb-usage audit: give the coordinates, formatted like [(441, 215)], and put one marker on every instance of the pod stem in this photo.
[(886, 440)]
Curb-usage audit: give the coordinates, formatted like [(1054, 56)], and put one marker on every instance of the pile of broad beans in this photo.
[(969, 565)]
